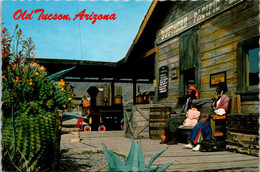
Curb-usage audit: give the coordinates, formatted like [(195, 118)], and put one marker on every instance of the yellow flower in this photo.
[(61, 80), (2, 102), (42, 68), (63, 83), (31, 80), (64, 106), (27, 66), (59, 83), (36, 73), (69, 98), (34, 64), (31, 83), (15, 65), (62, 89)]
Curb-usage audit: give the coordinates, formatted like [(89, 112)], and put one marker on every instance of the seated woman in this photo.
[(173, 123), (203, 130)]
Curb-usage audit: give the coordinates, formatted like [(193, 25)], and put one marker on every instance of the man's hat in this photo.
[(196, 94)]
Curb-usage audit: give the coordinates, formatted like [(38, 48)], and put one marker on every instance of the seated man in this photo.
[(172, 124), (203, 130)]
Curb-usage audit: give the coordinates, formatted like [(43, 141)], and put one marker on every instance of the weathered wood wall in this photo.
[(219, 37)]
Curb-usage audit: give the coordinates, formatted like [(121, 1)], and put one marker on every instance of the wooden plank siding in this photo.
[(169, 56), (179, 8), (250, 106), (230, 13), (219, 38)]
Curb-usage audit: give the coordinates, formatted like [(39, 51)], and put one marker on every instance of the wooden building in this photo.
[(201, 43)]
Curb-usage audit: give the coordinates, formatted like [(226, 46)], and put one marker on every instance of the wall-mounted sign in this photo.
[(217, 77), (163, 82), (200, 14), (174, 73)]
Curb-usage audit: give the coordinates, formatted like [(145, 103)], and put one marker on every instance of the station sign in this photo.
[(200, 14)]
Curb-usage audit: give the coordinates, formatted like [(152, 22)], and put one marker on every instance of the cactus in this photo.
[(30, 102), (134, 161)]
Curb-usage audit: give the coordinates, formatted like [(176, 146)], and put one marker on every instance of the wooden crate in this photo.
[(158, 117), (243, 143), (136, 120), (243, 123)]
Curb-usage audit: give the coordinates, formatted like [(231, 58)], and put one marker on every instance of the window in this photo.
[(248, 69), (189, 79), (253, 69)]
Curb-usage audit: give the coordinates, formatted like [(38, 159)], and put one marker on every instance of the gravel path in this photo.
[(74, 161)]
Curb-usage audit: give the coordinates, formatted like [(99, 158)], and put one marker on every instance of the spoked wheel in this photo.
[(102, 128), (87, 128), (122, 126)]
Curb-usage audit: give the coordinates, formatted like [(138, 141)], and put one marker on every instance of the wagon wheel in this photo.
[(101, 128), (87, 128), (122, 126)]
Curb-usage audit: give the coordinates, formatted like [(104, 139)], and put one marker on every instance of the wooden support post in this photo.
[(112, 92), (155, 75), (134, 91)]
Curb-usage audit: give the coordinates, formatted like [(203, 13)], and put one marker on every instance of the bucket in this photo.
[(158, 117)]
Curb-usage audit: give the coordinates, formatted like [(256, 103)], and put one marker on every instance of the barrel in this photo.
[(139, 99), (158, 117), (118, 100)]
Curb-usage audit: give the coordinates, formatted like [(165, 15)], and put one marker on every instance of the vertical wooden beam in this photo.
[(134, 91), (198, 62), (155, 75), (112, 91)]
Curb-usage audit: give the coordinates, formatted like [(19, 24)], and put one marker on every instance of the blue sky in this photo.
[(102, 41)]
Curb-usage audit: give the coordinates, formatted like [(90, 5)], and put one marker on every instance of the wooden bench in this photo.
[(218, 124)]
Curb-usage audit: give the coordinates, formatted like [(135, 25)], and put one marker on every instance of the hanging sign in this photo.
[(163, 82), (217, 77), (200, 14)]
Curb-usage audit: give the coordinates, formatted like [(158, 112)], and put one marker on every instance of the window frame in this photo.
[(243, 65)]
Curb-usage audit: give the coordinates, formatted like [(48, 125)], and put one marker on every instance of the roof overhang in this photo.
[(96, 71)]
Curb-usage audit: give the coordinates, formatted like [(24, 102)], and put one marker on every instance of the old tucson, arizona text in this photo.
[(20, 14)]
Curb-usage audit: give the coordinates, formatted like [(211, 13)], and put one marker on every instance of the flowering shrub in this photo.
[(29, 88), (25, 84), (30, 100)]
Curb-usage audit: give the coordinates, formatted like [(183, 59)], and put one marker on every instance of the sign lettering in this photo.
[(200, 14), (217, 77)]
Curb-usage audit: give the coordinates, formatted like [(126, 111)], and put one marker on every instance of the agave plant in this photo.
[(134, 161), (59, 74)]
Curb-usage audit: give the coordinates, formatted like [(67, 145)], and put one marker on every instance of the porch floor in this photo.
[(183, 159)]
